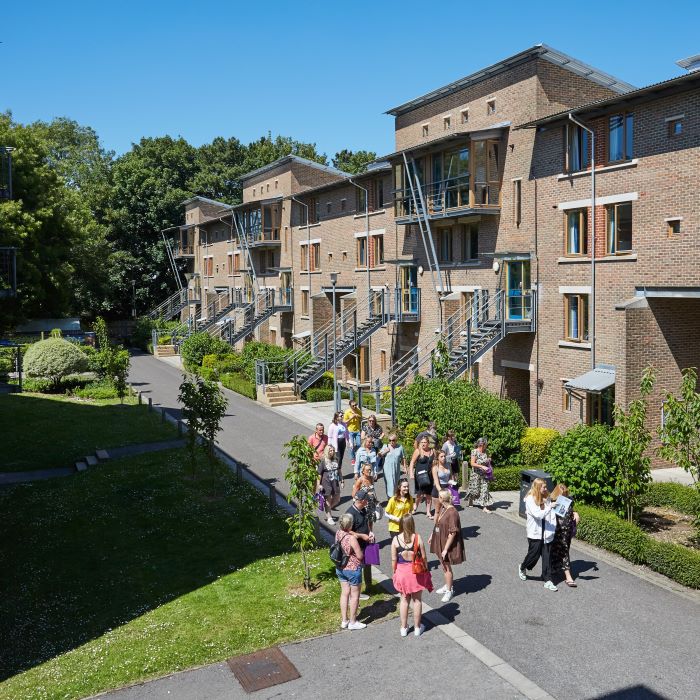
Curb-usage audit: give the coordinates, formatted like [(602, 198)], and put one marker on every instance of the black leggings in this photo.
[(341, 451), (535, 550)]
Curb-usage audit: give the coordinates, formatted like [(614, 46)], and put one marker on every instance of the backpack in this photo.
[(338, 555)]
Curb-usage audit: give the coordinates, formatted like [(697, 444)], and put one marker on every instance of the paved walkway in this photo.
[(616, 632)]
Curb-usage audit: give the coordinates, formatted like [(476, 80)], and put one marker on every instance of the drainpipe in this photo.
[(592, 306)]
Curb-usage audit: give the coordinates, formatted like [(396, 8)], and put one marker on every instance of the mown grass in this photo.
[(132, 570), (41, 431)]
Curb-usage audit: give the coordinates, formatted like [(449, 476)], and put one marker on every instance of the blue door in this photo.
[(518, 292)]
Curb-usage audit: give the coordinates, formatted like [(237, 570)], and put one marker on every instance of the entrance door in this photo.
[(600, 407), (518, 292), (408, 280)]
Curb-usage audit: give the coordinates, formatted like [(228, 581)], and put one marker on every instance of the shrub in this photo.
[(38, 386), (468, 410), (7, 361), (319, 394), (257, 350), (93, 358), (535, 444), (604, 529), (679, 497), (196, 346), (580, 459), (97, 390), (239, 383), (54, 359)]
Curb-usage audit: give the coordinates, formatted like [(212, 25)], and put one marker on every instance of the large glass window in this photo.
[(444, 245), (619, 228), (377, 251), (470, 242), (620, 137), (576, 308), (578, 156), (576, 234), (486, 178)]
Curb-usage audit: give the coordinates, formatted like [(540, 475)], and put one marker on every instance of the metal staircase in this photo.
[(171, 307), (219, 308)]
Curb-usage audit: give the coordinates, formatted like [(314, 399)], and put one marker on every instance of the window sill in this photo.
[(572, 344), (465, 263), (605, 169), (313, 272), (582, 259), (304, 318), (371, 269), (303, 227), (371, 213)]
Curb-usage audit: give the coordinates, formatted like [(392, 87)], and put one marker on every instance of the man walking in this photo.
[(362, 529), (353, 419), (318, 441)]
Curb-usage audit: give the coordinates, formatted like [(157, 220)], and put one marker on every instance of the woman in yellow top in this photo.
[(400, 504), (353, 420)]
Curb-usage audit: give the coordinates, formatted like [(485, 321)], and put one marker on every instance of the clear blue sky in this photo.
[(317, 71)]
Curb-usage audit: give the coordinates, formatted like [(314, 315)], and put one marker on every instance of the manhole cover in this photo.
[(262, 669)]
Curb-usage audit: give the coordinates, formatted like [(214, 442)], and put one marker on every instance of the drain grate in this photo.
[(262, 669)]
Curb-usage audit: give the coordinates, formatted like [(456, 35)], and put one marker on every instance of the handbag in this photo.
[(321, 501), (454, 491), (372, 554), (338, 555), (419, 565)]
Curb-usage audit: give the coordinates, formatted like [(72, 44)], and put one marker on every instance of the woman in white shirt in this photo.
[(337, 436), (541, 526)]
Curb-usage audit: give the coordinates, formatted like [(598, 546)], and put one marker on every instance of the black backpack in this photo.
[(338, 555)]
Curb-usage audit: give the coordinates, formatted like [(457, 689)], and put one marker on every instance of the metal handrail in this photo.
[(178, 299)]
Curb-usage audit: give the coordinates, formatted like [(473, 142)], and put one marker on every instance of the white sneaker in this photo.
[(441, 590), (330, 521), (356, 625), (448, 596), (550, 586), (521, 574), (364, 596), (419, 630), (404, 631), (344, 624)]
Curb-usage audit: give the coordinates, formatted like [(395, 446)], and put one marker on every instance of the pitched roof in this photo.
[(293, 159), (543, 51)]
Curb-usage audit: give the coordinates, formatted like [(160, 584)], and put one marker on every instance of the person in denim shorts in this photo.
[(351, 576)]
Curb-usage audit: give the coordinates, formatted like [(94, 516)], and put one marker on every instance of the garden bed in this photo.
[(666, 525)]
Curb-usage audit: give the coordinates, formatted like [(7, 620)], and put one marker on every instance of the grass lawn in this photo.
[(60, 430), (132, 570)]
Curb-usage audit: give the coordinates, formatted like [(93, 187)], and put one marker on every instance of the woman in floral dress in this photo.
[(559, 552), (478, 489)]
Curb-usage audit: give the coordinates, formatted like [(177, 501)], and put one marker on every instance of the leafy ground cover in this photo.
[(45, 431), (133, 571)]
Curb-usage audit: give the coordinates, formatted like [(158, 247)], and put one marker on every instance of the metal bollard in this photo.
[(239, 471), (140, 398), (150, 403), (162, 415), (273, 495)]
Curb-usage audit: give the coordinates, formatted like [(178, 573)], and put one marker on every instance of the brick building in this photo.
[(477, 230)]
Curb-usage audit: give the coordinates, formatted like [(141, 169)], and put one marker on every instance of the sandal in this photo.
[(571, 584)]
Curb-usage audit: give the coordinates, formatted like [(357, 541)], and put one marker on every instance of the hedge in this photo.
[(319, 394), (604, 529), (679, 497), (240, 384), (97, 390), (535, 444), (506, 479)]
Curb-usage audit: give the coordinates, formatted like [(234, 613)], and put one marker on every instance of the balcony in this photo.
[(449, 198), (407, 304), (183, 250), (261, 225)]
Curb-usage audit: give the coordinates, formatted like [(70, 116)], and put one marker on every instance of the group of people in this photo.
[(434, 474)]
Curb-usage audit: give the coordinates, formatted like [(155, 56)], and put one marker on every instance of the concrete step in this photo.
[(280, 394), (284, 401), (102, 455), (81, 466), (91, 461)]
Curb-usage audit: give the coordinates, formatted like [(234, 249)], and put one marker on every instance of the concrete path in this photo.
[(616, 632)]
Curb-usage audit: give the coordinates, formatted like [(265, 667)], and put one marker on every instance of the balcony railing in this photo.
[(407, 304), (183, 250), (447, 196)]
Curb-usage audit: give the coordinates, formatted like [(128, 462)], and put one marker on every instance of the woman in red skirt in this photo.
[(404, 549)]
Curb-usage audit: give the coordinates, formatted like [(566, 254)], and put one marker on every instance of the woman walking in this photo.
[(406, 548), (566, 525), (330, 481), (394, 464), (420, 471), (337, 436), (446, 542), (350, 576), (400, 504), (453, 453), (366, 482), (541, 524), (371, 430), (442, 475), (478, 490)]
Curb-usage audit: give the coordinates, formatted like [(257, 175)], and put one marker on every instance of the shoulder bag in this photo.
[(419, 564)]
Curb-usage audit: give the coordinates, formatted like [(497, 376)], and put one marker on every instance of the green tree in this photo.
[(118, 368), (301, 476), (54, 359), (627, 443), (354, 162), (680, 434)]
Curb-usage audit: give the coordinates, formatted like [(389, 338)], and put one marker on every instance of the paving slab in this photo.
[(7, 478)]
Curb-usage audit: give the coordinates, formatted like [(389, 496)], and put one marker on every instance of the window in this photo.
[(315, 257), (304, 257), (229, 264), (361, 199), (304, 302), (276, 183), (491, 107), (446, 123), (444, 244), (567, 400), (377, 251), (620, 133), (329, 206), (578, 156), (208, 267), (378, 195), (675, 126), (268, 186), (314, 211), (576, 221), (674, 226), (362, 252), (236, 263), (464, 114), (470, 242), (382, 360), (517, 201), (619, 229), (424, 130), (576, 311)]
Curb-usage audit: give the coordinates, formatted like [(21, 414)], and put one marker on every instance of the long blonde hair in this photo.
[(559, 490), (408, 527), (536, 490)]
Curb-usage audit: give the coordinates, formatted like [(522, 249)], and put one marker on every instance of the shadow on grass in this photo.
[(90, 553)]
